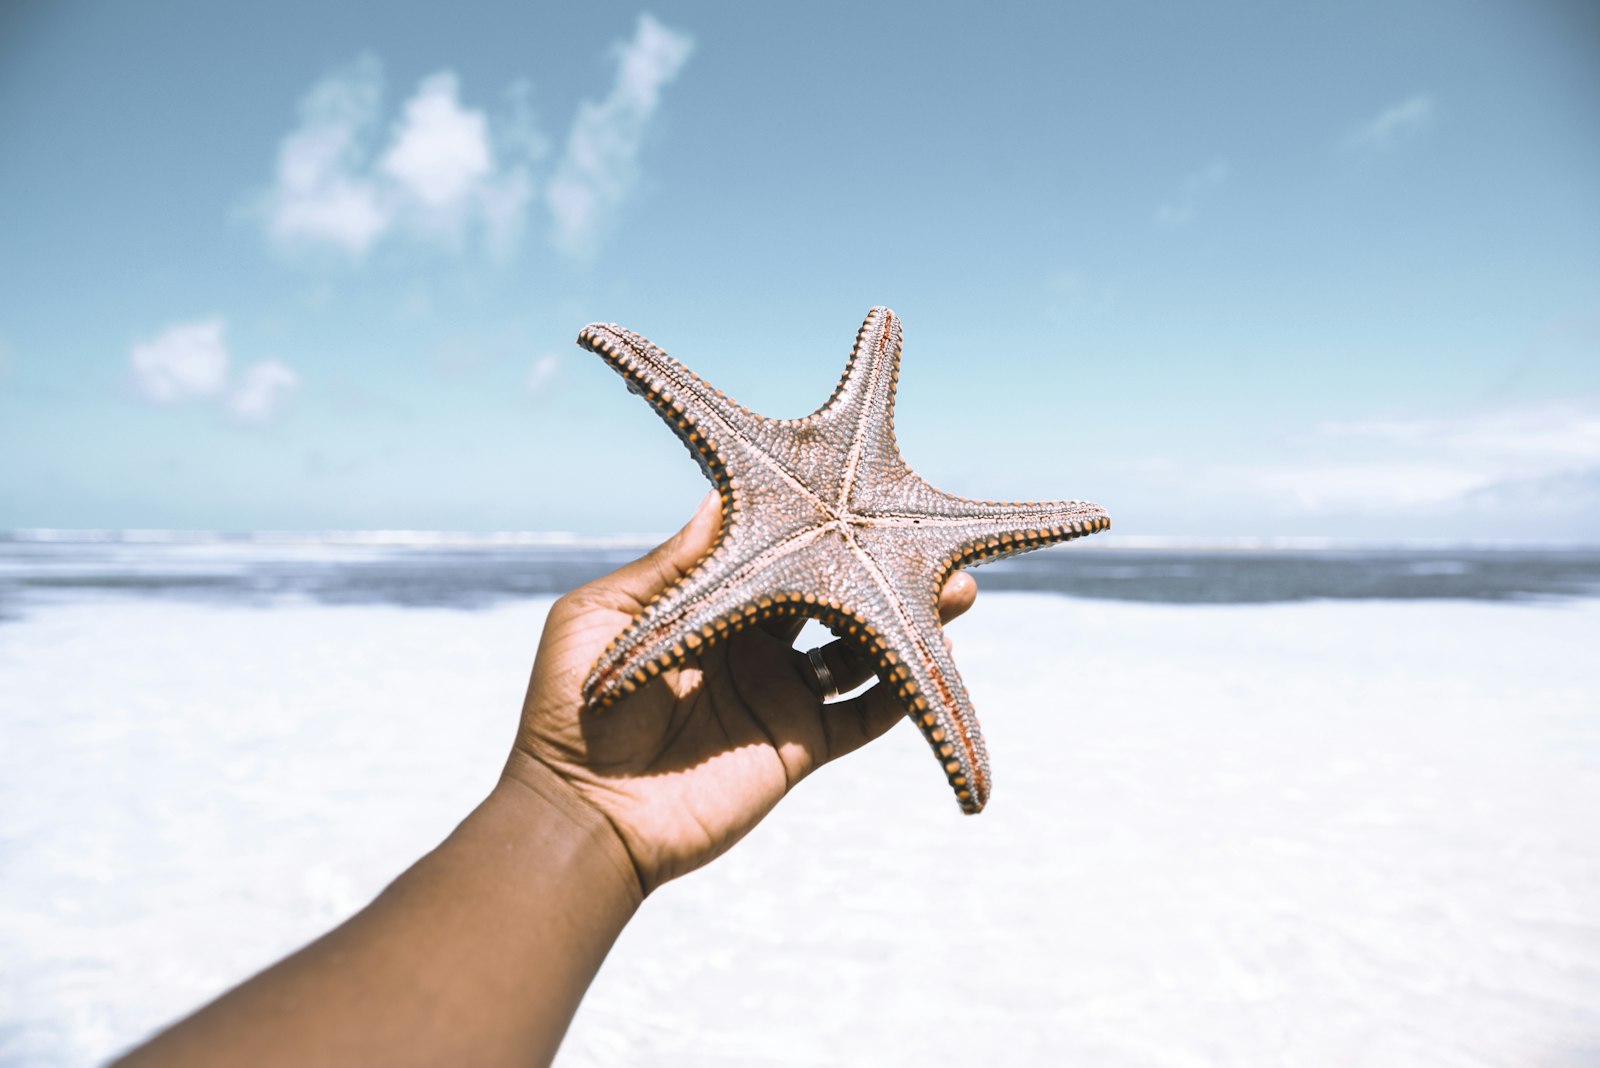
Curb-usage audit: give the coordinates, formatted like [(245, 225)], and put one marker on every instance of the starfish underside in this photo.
[(822, 518)]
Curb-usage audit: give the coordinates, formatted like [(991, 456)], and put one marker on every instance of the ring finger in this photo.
[(849, 667)]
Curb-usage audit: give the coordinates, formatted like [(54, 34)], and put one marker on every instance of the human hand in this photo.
[(686, 766)]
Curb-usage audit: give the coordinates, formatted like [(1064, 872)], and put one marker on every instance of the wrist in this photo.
[(571, 830)]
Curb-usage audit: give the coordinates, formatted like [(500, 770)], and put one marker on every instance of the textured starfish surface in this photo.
[(822, 518)]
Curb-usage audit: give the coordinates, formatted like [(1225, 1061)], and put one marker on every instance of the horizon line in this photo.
[(409, 538)]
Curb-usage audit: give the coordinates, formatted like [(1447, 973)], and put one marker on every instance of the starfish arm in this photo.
[(738, 450), (858, 419), (738, 583), (906, 644), (870, 375), (962, 532), (715, 428), (1027, 528), (917, 550)]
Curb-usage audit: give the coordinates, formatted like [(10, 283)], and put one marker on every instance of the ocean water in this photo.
[(466, 571), (1262, 807)]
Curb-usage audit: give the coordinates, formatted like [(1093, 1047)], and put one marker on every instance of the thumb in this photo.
[(634, 585)]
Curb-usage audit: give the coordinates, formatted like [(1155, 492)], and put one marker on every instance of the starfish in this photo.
[(822, 518)]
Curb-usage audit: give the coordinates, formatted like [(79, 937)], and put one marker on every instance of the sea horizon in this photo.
[(471, 570), (422, 537)]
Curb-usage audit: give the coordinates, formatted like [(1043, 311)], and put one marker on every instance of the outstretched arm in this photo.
[(480, 952)]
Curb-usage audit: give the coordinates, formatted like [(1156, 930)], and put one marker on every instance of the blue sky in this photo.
[(1227, 269)]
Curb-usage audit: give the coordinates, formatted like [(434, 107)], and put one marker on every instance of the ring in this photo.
[(819, 667)]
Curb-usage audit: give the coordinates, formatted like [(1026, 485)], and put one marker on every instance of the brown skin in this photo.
[(480, 952)]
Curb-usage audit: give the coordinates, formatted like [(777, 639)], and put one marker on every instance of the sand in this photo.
[(1324, 834)]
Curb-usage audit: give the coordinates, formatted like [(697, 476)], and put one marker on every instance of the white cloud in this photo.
[(440, 150), (189, 362), (1438, 462), (185, 361), (1319, 486), (447, 171), (1393, 124), (600, 163), (1544, 436), (263, 391), (1573, 492), (541, 373), (437, 175), (1196, 186), (321, 196)]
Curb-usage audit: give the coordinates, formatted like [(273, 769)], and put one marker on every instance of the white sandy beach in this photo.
[(1339, 834)]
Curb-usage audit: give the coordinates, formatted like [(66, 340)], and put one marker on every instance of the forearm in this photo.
[(478, 954)]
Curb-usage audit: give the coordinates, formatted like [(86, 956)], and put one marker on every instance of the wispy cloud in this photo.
[(1438, 462), (1506, 473), (1393, 124), (1076, 290), (1554, 434), (541, 374), (1197, 185), (264, 390), (447, 173), (322, 195), (1373, 485), (437, 176), (189, 362), (600, 163)]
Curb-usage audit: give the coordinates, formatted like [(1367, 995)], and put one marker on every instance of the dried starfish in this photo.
[(822, 518)]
